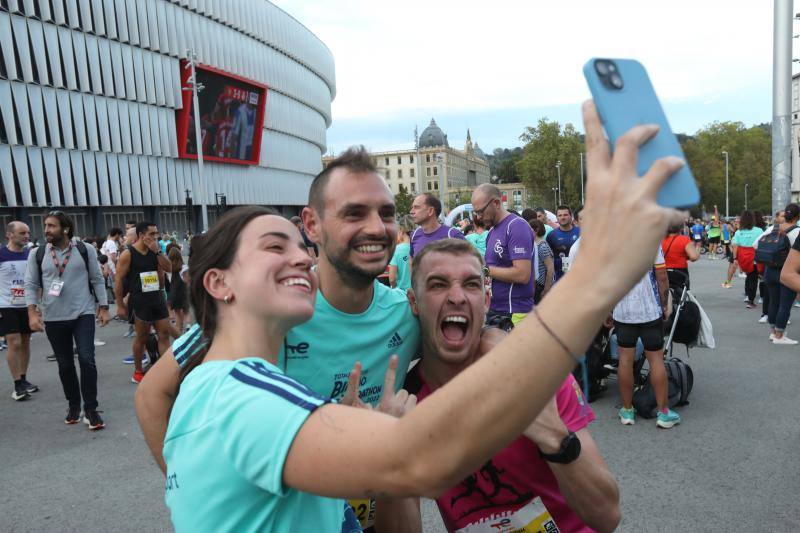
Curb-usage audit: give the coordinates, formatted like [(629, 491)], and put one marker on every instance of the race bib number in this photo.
[(532, 518), (149, 281), (365, 512), (55, 288), (565, 265), (17, 295)]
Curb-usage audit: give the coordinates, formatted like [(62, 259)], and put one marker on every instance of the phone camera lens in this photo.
[(602, 67), (612, 67), (616, 81)]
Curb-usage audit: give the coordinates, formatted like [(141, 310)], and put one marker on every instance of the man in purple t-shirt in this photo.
[(425, 211), (509, 248)]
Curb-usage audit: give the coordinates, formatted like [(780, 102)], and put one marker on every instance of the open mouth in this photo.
[(298, 282), (370, 248), (454, 327)]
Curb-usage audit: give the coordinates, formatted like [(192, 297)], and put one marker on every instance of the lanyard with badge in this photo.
[(58, 284)]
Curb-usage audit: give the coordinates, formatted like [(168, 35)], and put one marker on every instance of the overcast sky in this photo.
[(496, 67)]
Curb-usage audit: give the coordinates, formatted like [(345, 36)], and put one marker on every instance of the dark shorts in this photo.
[(148, 310), (14, 320), (713, 240), (651, 333)]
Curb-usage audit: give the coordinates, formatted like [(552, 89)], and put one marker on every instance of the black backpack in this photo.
[(40, 251), (773, 248), (680, 380)]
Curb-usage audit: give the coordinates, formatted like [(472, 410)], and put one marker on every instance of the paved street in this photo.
[(733, 465)]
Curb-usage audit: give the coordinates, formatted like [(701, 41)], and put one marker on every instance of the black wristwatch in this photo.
[(569, 451)]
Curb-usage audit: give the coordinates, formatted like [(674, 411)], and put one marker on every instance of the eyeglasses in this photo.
[(480, 211)]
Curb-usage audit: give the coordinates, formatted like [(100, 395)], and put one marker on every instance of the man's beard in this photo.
[(351, 275)]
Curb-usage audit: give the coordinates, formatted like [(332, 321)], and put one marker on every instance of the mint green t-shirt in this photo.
[(478, 240), (400, 260), (547, 230), (322, 352), (746, 237), (229, 433)]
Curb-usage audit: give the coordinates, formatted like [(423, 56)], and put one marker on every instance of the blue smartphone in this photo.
[(625, 98)]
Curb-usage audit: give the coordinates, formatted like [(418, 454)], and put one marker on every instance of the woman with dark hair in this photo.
[(744, 254), (678, 251), (177, 300), (545, 267), (781, 297)]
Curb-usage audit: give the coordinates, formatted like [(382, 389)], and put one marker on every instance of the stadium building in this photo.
[(95, 119)]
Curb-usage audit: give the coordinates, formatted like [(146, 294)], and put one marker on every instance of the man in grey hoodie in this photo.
[(71, 284)]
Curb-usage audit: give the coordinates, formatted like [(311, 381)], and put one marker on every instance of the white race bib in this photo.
[(17, 295), (532, 518), (149, 281)]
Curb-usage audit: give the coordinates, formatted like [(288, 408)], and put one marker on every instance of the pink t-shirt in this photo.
[(516, 488)]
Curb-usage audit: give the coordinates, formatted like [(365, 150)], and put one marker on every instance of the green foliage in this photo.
[(403, 201), (749, 161), (503, 164), (546, 144), (749, 152)]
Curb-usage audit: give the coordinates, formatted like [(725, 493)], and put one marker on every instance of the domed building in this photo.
[(434, 166)]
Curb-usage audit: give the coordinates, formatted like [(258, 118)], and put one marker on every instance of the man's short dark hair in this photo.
[(354, 159), (142, 227), (540, 210), (564, 207), (434, 202), (446, 246), (296, 220), (528, 213), (114, 232)]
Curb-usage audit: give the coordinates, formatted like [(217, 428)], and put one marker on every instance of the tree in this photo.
[(403, 201), (546, 144), (749, 161)]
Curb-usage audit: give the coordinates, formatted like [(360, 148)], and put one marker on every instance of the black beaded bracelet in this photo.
[(579, 359)]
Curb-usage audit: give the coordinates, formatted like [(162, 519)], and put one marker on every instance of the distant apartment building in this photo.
[(433, 167)]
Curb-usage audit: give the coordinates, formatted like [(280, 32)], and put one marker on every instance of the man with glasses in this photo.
[(425, 212), (509, 250), (70, 283)]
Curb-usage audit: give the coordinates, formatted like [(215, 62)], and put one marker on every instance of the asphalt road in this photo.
[(733, 465)]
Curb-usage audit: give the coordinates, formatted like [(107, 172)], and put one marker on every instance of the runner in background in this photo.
[(562, 238), (13, 313), (399, 269), (744, 255), (678, 251)]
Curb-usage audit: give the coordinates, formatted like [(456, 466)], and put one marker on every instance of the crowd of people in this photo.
[(310, 396)]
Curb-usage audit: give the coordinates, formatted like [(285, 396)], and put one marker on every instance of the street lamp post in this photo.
[(746, 186), (558, 171), (555, 198), (727, 199), (582, 200), (191, 59)]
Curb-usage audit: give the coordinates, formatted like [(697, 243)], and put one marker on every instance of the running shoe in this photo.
[(99, 343), (745, 298), (726, 285), (668, 419), (129, 360), (772, 336), (3, 345), (763, 319), (627, 416), (137, 377), (51, 357), (73, 415), (797, 304), (29, 387), (750, 305), (784, 340), (20, 393), (93, 420)]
